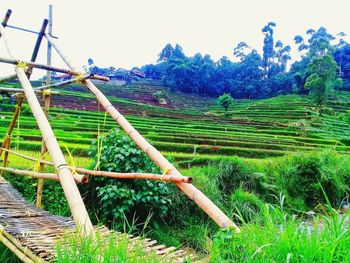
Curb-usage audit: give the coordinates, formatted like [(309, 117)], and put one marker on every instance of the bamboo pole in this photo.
[(6, 18), (165, 178), (38, 175), (19, 253), (43, 151), (21, 91), (25, 250), (7, 142), (190, 190), (49, 48), (31, 64), (46, 176), (77, 207), (77, 177), (59, 84)]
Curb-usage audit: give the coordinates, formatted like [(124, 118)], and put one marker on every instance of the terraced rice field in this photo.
[(191, 129)]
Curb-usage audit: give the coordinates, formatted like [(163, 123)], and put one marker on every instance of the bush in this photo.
[(114, 199), (300, 177), (235, 173)]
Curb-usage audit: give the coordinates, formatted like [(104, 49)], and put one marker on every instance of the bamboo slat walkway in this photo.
[(34, 229)]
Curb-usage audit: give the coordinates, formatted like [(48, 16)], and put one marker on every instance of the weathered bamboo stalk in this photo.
[(4, 162), (6, 18), (38, 175), (25, 250), (21, 91), (77, 177), (6, 143), (77, 207), (36, 47), (190, 190), (49, 48), (30, 64), (59, 84), (47, 176), (43, 151), (147, 176), (71, 191), (20, 254)]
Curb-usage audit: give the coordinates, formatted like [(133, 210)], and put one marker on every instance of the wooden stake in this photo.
[(190, 190), (77, 207), (7, 142), (43, 151)]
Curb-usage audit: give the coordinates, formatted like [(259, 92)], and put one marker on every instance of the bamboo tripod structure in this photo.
[(50, 144)]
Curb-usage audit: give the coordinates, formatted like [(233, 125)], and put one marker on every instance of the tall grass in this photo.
[(115, 247), (277, 236)]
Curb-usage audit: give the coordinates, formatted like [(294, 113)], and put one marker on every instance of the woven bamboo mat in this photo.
[(37, 230)]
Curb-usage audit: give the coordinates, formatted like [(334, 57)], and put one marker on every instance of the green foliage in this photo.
[(98, 248), (113, 199), (161, 97), (300, 176), (235, 173), (246, 205), (7, 256), (225, 101), (280, 237), (323, 78)]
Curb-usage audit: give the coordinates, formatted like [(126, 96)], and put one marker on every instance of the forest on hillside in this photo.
[(257, 75)]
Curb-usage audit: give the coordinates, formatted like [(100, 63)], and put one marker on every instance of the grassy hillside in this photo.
[(191, 129)]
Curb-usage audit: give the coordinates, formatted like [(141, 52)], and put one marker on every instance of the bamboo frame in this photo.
[(77, 207), (31, 64), (147, 176), (190, 190)]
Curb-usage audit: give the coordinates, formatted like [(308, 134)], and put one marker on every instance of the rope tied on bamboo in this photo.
[(21, 64), (165, 172), (79, 78), (46, 92)]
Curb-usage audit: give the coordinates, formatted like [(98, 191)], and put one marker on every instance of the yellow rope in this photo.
[(79, 78), (165, 172), (71, 159), (37, 164), (21, 64), (47, 92)]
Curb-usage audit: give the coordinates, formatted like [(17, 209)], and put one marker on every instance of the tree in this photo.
[(268, 50), (225, 101), (323, 78)]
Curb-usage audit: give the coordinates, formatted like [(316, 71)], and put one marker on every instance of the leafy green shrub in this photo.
[(235, 173), (113, 199), (161, 97), (300, 177)]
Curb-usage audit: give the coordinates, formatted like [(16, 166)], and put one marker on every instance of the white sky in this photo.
[(132, 32)]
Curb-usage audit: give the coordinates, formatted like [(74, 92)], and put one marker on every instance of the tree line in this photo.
[(256, 75)]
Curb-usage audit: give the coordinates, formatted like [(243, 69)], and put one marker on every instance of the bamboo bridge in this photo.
[(31, 232)]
